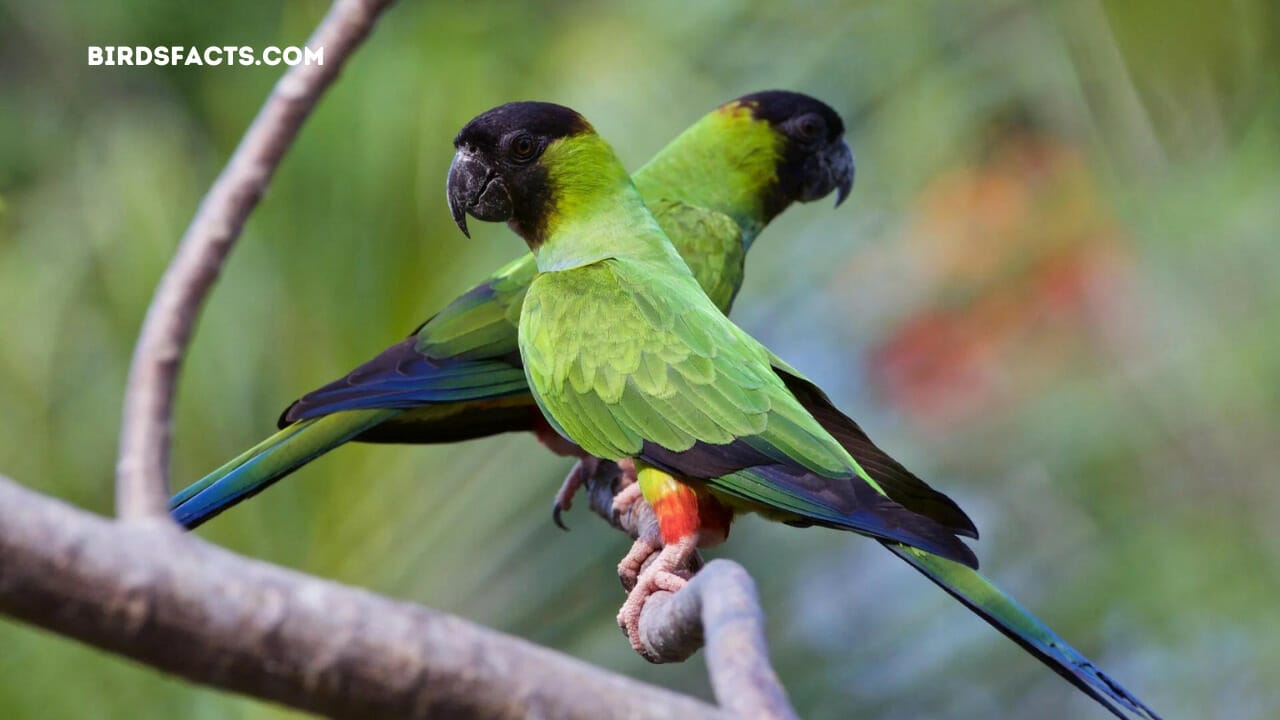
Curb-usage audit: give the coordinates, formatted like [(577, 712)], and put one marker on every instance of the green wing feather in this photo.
[(482, 323), (620, 352)]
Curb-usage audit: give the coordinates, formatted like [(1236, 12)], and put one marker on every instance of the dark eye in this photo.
[(810, 127), (523, 148)]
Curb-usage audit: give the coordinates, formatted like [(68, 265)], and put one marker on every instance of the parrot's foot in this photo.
[(645, 546), (641, 556), (582, 470), (629, 569), (627, 497), (666, 573), (628, 468)]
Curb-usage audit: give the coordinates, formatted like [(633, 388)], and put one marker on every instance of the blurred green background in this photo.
[(1054, 292)]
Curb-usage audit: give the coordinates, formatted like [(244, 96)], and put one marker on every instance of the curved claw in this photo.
[(556, 509), (574, 480)]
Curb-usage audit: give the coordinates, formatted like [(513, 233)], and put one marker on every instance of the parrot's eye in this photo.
[(522, 148), (810, 127)]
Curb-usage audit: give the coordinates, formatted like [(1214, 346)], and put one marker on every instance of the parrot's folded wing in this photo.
[(898, 483), (633, 362), (402, 377), (466, 352)]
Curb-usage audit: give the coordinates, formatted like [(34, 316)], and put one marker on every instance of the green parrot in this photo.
[(458, 376), (628, 358)]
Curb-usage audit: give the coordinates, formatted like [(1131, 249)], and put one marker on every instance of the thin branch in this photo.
[(183, 606), (143, 465), (719, 605)]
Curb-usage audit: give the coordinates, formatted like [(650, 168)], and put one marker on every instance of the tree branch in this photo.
[(719, 605), (142, 470), (190, 608)]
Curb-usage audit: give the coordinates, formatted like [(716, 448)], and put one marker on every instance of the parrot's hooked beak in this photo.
[(827, 170), (475, 189), (842, 170), (831, 169)]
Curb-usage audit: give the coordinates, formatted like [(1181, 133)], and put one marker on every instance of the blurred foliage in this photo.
[(1053, 292)]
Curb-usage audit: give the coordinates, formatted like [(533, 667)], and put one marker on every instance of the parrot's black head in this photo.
[(496, 174), (815, 159)]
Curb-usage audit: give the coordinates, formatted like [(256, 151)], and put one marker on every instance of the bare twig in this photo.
[(186, 607), (719, 606), (143, 465)]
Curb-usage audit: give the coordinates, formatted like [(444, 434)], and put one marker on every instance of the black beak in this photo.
[(474, 189), (842, 170), (831, 168), (459, 190)]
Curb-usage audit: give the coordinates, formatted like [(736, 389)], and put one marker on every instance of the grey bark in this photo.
[(146, 591)]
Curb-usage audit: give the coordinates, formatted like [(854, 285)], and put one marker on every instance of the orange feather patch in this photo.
[(683, 511), (677, 511)]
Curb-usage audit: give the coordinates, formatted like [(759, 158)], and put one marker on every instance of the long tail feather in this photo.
[(268, 461), (1009, 617)]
